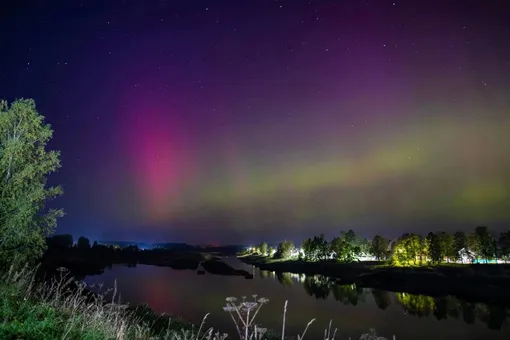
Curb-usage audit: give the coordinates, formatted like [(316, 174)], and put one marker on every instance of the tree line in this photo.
[(409, 249), (62, 242)]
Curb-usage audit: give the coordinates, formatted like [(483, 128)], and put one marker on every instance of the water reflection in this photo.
[(285, 279), (353, 310), (450, 307), (317, 286), (421, 306), (382, 298)]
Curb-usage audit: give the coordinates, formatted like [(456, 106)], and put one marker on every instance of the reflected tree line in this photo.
[(441, 308)]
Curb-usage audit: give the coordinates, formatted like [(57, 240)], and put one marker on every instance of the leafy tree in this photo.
[(94, 245), (25, 164), (485, 243), (473, 245), (350, 237), (364, 246), (316, 248), (504, 245), (379, 247), (399, 254), (322, 247), (263, 248), (414, 245), (460, 242), (347, 246), (308, 249), (447, 246), (341, 248), (424, 249), (284, 250), (496, 252), (434, 248), (407, 249), (83, 243)]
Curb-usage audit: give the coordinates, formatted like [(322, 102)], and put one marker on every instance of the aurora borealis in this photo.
[(233, 121)]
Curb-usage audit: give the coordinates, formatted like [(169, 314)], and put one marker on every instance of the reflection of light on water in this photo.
[(298, 277)]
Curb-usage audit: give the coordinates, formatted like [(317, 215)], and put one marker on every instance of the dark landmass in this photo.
[(216, 266), (488, 283), (94, 260), (223, 250)]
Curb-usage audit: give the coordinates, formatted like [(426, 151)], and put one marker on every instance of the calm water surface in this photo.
[(352, 310)]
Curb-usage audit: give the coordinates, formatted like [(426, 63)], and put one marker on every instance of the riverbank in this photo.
[(486, 283), (62, 308)]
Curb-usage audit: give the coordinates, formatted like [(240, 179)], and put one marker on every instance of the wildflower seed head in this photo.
[(261, 330), (263, 300), (249, 305)]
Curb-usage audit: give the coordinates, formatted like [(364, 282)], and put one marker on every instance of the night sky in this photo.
[(236, 121)]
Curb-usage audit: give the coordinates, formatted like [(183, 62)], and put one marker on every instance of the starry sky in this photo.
[(236, 121)]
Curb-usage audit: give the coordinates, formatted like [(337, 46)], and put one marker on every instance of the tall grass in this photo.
[(62, 308)]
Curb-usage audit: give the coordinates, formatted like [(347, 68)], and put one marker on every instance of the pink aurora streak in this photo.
[(159, 155)]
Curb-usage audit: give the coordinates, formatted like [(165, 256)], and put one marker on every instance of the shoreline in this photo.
[(485, 283), (94, 262)]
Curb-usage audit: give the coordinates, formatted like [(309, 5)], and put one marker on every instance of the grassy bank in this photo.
[(64, 309)]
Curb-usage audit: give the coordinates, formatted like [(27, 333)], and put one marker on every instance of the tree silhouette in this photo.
[(83, 243), (379, 247), (485, 243)]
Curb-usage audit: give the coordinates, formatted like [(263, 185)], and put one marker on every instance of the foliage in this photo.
[(316, 248), (473, 245), (446, 246), (504, 245), (379, 247), (460, 242), (341, 248), (434, 248), (407, 249), (284, 249), (485, 243), (348, 247), (309, 249), (263, 248), (25, 164)]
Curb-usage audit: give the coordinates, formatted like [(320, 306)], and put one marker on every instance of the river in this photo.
[(352, 310)]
